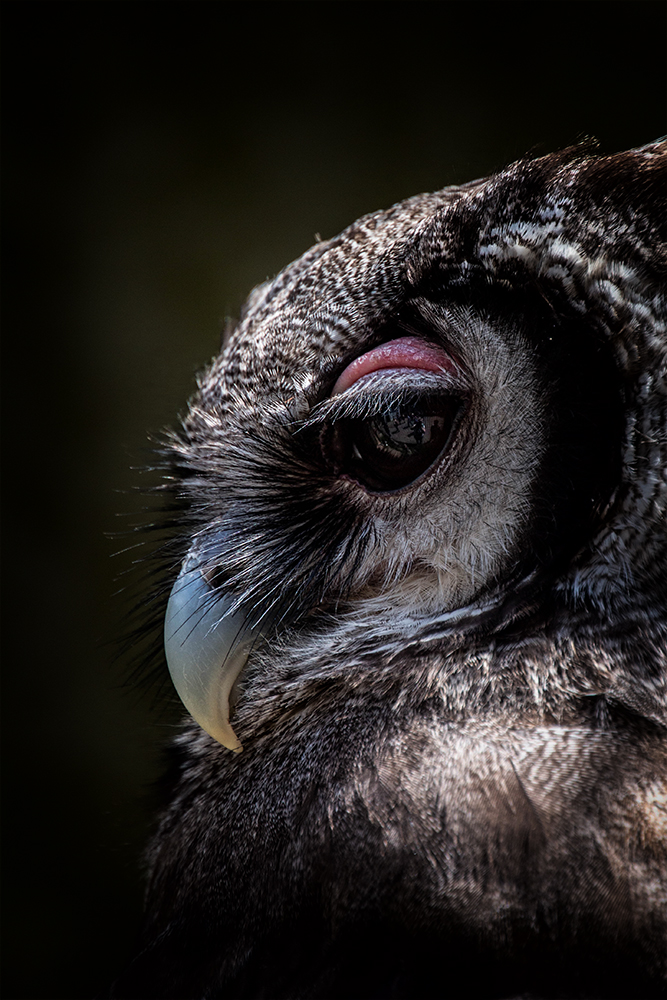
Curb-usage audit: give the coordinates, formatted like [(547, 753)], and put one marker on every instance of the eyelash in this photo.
[(385, 390)]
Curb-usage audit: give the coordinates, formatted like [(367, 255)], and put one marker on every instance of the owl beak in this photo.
[(207, 644)]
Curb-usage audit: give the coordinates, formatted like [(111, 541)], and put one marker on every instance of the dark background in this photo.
[(160, 159)]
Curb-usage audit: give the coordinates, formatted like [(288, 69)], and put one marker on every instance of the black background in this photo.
[(160, 159)]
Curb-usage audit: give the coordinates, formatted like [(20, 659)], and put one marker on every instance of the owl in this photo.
[(416, 610)]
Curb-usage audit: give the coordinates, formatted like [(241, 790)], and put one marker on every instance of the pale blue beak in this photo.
[(207, 646)]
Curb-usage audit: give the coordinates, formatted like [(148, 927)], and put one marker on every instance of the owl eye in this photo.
[(389, 450)]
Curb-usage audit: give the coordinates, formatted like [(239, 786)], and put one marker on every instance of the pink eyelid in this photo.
[(406, 352)]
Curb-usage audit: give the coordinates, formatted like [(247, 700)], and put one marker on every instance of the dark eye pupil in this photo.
[(403, 435), (392, 449)]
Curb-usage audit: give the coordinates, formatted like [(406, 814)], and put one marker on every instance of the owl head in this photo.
[(447, 421)]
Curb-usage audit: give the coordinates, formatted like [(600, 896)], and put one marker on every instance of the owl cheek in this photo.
[(207, 642)]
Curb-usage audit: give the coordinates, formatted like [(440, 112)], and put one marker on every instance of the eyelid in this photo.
[(403, 352)]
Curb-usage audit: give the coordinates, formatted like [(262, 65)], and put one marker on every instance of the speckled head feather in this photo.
[(454, 703)]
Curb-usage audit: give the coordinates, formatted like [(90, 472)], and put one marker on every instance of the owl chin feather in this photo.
[(422, 578)]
